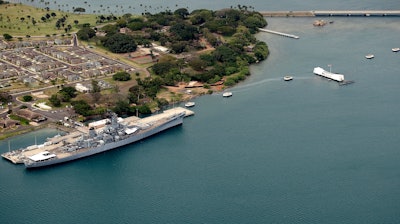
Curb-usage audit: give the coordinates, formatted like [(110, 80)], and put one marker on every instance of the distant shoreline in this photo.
[(330, 13)]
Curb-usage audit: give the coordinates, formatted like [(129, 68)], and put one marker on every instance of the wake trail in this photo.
[(265, 81)]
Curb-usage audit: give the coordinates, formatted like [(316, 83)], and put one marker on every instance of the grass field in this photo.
[(16, 20)]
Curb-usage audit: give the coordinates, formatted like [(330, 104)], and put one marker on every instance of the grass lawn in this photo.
[(16, 20)]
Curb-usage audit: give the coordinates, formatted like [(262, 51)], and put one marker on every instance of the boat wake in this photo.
[(248, 86), (261, 82)]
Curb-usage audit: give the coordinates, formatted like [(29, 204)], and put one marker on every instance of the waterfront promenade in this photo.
[(312, 13)]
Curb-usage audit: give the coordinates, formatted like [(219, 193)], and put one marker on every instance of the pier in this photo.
[(279, 33), (322, 13)]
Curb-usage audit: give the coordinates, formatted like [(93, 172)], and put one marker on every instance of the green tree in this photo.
[(179, 47), (95, 86), (122, 76), (7, 36), (79, 9), (161, 68), (54, 100), (64, 97), (261, 51), (181, 13), (254, 22), (201, 16), (120, 43), (96, 91), (81, 107), (224, 54), (135, 93), (198, 64), (69, 90), (86, 33), (144, 109), (110, 29), (122, 107), (5, 97), (184, 31), (27, 98), (136, 25)]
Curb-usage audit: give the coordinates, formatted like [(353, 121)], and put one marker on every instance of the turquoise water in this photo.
[(305, 151)]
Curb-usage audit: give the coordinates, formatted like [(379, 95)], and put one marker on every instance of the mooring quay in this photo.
[(331, 13)]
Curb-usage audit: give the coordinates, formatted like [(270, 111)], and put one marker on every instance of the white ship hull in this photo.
[(112, 145), (321, 72)]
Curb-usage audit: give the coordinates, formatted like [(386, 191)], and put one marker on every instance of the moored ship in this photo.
[(113, 135)]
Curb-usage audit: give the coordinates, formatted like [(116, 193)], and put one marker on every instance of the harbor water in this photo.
[(304, 151)]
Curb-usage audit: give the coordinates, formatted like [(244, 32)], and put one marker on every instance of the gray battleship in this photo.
[(114, 134)]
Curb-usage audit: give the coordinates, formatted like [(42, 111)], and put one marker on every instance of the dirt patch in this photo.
[(181, 93), (143, 60)]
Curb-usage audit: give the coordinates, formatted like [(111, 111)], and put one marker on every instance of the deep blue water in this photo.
[(305, 151)]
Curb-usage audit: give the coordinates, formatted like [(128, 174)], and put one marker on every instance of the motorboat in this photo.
[(369, 56), (288, 78), (190, 104), (396, 49), (227, 94)]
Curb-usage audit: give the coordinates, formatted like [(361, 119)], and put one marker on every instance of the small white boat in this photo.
[(190, 104), (227, 94), (288, 78), (369, 56), (396, 49)]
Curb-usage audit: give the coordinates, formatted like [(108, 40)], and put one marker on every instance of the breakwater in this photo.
[(331, 13)]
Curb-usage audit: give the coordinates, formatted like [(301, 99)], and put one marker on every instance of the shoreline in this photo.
[(330, 13)]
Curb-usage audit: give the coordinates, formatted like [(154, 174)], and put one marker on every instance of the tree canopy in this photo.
[(86, 33), (229, 31), (122, 76), (120, 43)]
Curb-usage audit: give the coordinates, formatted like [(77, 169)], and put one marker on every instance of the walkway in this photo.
[(280, 33)]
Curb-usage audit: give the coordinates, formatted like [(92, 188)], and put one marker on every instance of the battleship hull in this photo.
[(175, 121)]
